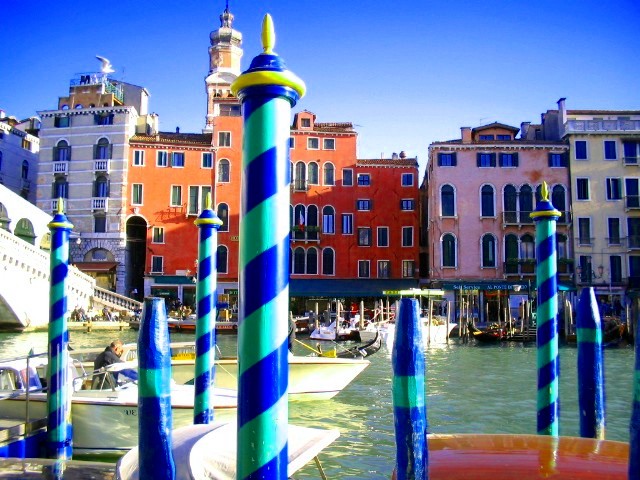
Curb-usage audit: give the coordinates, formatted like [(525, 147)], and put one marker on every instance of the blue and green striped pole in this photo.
[(155, 457), (59, 430), (546, 217), (267, 91), (409, 404), (208, 224), (590, 367), (634, 426)]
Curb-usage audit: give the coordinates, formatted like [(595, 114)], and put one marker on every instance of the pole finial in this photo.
[(268, 35), (60, 206), (544, 192), (207, 201)]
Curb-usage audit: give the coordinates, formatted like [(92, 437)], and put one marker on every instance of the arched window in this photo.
[(487, 208), (312, 261), (488, 251), (313, 173), (222, 259), (223, 215), (328, 264), (510, 201), (526, 204), (312, 222), (25, 169), (328, 220), (447, 201), (299, 181), (102, 150), (561, 245), (62, 152), (527, 246), (558, 199), (298, 260), (329, 174), (224, 171), (101, 187), (60, 188), (511, 253), (449, 257)]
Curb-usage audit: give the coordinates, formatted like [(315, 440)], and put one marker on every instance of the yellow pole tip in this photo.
[(544, 192), (207, 201), (268, 34), (60, 209)]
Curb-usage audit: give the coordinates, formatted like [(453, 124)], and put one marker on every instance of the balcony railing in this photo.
[(101, 166), (61, 167), (305, 233), (524, 218), (632, 202), (633, 242), (576, 126), (299, 186), (527, 266), (630, 160), (99, 204)]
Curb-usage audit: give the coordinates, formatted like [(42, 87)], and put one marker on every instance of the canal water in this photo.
[(471, 388)]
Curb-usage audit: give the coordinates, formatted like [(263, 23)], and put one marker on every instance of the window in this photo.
[(138, 158), (447, 201), (157, 235), (26, 144), (207, 160), (329, 174), (230, 111), (488, 251), (632, 193), (223, 215), (347, 223), (62, 152), (313, 172), (363, 205), (197, 196), (328, 261), (487, 137), (559, 200), (631, 152), (176, 195), (100, 224), (508, 159), (407, 204), (363, 269), (407, 236), (157, 264), (383, 236), (614, 188), (581, 149), (487, 203), (615, 267), (610, 150), (312, 261), (503, 137), (448, 245), (364, 236), (103, 119), (407, 180), (582, 189), (177, 159), (101, 187), (584, 231), (527, 247), (60, 189), (224, 139), (299, 259), (447, 160), (364, 179), (224, 171), (313, 143), (300, 178), (328, 220), (102, 150), (136, 194), (384, 269), (305, 122), (633, 234), (292, 142), (613, 225), (347, 177), (557, 160), (485, 160), (25, 170), (526, 204), (222, 259), (162, 159), (329, 144), (408, 268), (62, 122)]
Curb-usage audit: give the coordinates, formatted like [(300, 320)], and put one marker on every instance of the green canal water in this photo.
[(471, 388)]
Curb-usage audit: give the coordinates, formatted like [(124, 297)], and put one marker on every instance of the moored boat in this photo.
[(434, 334), (493, 333)]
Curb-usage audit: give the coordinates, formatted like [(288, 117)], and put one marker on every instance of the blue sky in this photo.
[(405, 73)]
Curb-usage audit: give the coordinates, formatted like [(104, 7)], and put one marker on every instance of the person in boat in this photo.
[(110, 356)]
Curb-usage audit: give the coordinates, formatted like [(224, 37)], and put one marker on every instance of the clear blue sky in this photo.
[(406, 73)]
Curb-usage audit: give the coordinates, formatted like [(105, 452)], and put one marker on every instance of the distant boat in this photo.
[(490, 334), (437, 333)]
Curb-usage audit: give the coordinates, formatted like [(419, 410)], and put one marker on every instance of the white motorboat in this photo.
[(344, 331), (433, 333), (104, 404)]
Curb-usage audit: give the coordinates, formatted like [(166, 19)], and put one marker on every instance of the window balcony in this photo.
[(299, 186), (61, 167), (99, 204), (630, 160), (305, 233), (632, 202), (101, 166)]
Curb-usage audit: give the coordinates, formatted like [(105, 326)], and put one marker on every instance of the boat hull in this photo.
[(434, 335)]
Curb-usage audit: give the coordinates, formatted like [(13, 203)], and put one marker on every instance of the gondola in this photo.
[(359, 351), (491, 334)]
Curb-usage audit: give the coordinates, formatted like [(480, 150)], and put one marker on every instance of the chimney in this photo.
[(394, 156), (524, 129), (562, 116), (177, 129), (466, 134)]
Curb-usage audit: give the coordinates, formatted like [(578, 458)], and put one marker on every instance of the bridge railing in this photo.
[(115, 300)]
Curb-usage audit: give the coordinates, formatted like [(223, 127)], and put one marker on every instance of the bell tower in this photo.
[(225, 54)]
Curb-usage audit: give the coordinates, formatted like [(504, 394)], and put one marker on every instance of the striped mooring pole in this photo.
[(408, 390), (590, 367), (208, 224), (155, 456), (546, 217), (267, 91), (59, 430)]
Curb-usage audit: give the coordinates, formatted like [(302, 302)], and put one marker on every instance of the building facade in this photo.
[(19, 146)]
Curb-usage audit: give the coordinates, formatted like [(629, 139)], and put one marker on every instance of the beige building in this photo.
[(19, 145)]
